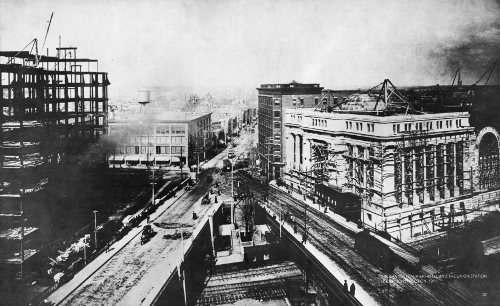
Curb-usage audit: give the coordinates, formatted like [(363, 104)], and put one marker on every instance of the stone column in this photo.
[(436, 191), (413, 160), (306, 152), (425, 164), (403, 186), (455, 186), (299, 149), (446, 153)]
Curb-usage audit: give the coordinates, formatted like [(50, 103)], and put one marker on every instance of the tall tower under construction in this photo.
[(53, 110)]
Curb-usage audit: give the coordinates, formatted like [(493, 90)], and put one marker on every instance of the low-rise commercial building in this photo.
[(170, 138)]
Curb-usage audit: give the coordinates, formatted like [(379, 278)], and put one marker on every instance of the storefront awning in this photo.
[(175, 159), (117, 158), (162, 158), (133, 158)]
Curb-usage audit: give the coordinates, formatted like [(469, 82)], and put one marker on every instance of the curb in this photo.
[(117, 250)]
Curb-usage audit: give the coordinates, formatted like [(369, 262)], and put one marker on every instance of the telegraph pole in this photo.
[(95, 228), (182, 176), (232, 192), (153, 178)]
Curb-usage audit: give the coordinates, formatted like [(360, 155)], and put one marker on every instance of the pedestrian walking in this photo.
[(295, 228), (107, 247), (345, 286), (352, 290), (148, 219)]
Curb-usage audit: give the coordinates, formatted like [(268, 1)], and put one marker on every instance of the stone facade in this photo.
[(409, 170)]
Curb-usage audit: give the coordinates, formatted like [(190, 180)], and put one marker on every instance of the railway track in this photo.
[(231, 284), (281, 269), (338, 244)]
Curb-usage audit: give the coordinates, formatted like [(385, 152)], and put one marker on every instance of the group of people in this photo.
[(351, 289)]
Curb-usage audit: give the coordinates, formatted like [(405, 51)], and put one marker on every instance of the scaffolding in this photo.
[(488, 166), (430, 170), (323, 161), (53, 110), (323, 167), (409, 165), (376, 163)]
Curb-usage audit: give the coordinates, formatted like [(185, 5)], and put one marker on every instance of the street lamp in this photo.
[(95, 228)]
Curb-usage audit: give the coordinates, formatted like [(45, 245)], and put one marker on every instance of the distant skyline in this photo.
[(193, 44)]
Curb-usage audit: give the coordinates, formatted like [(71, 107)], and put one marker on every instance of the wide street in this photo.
[(127, 277)]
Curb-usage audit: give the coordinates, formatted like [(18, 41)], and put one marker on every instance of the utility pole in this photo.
[(153, 187), (95, 228), (281, 218), (182, 176), (153, 178), (232, 192)]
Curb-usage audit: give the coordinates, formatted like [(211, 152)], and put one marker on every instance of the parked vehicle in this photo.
[(147, 233), (206, 198), (226, 165)]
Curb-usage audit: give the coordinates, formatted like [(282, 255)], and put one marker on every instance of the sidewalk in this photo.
[(66, 289), (361, 295)]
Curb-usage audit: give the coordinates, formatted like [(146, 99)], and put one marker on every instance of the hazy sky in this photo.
[(247, 43)]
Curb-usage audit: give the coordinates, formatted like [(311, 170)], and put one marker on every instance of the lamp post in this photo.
[(95, 228)]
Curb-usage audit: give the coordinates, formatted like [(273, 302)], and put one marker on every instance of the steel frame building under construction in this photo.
[(53, 110), (414, 173)]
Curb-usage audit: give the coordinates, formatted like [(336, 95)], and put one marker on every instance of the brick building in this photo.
[(273, 100)]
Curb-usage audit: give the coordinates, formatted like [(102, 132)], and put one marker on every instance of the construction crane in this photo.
[(490, 70), (459, 80), (34, 45)]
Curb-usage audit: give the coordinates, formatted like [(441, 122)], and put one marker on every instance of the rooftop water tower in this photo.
[(144, 99)]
